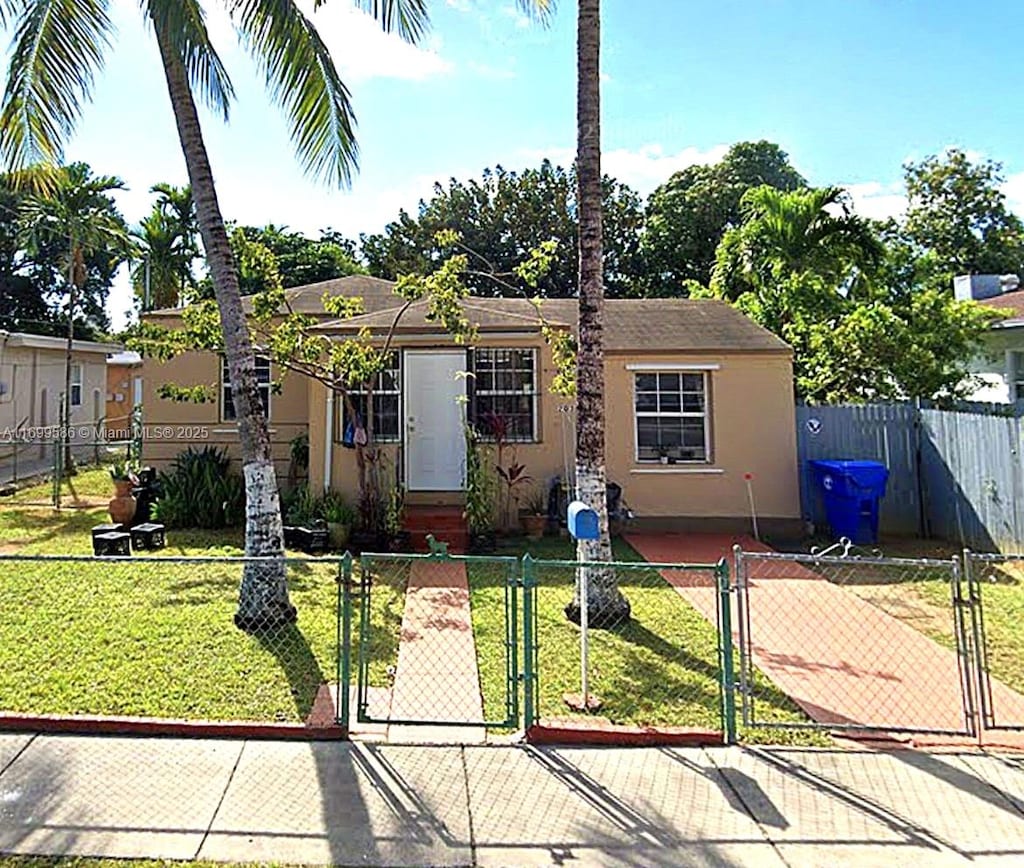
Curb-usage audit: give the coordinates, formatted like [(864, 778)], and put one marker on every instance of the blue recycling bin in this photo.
[(851, 491)]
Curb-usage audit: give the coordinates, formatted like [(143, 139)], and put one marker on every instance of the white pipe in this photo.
[(584, 638), (329, 442)]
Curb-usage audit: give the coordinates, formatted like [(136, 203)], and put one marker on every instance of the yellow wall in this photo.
[(171, 427), (752, 431)]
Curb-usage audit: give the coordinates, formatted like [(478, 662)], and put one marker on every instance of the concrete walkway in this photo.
[(362, 804), (436, 677), (839, 657)]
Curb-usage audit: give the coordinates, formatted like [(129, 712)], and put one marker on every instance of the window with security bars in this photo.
[(387, 405), (503, 392), (671, 416), (262, 384)]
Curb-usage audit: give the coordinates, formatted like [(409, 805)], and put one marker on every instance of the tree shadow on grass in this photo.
[(298, 663)]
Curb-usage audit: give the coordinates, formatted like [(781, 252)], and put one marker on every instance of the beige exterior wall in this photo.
[(752, 430), (172, 427), (751, 420)]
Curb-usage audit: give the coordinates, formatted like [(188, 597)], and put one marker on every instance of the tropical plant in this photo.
[(337, 510), (605, 603), (481, 485), (168, 236), (123, 471), (74, 208), (535, 501), (201, 491), (57, 50)]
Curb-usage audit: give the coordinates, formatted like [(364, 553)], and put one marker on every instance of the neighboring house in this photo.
[(124, 392), (31, 386), (999, 368), (697, 396)]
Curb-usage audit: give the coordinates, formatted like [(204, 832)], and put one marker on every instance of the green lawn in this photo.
[(150, 638), (661, 668)]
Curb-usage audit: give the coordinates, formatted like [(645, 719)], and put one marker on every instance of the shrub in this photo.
[(200, 491)]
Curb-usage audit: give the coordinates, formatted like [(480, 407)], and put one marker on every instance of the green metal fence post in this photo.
[(529, 674), (725, 645), (345, 639)]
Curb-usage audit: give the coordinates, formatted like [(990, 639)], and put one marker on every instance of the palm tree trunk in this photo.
[(263, 596), (605, 604)]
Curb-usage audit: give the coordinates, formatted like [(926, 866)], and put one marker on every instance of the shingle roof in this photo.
[(1011, 302), (650, 325)]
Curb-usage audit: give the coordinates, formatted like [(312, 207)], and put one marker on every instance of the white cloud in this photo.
[(491, 73), (1014, 190), (877, 201), (360, 48)]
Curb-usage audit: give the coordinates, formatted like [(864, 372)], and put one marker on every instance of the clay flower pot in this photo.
[(122, 505)]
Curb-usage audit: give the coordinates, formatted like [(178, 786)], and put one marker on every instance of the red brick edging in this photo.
[(622, 736), (147, 726)]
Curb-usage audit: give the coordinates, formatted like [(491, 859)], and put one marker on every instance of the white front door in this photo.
[(435, 449)]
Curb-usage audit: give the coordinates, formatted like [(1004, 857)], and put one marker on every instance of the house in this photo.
[(999, 368), (124, 392), (32, 383), (697, 396)]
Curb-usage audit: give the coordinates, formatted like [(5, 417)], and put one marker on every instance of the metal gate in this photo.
[(995, 578), (437, 640), (857, 643)]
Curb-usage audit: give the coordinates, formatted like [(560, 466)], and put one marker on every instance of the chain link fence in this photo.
[(437, 641), (155, 637), (657, 664), (859, 643), (996, 591)]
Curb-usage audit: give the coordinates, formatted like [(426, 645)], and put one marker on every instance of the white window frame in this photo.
[(342, 419), (704, 371), (535, 397), (225, 388), (76, 384)]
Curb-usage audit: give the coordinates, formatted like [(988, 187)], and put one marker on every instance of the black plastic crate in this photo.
[(148, 536), (112, 544)]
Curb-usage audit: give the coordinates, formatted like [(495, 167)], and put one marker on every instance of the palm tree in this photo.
[(793, 232), (605, 603), (169, 239), (58, 48), (73, 208)]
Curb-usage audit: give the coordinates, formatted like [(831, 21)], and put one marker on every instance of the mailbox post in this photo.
[(583, 523)]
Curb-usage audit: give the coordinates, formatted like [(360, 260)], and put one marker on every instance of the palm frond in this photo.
[(539, 10), (302, 79), (58, 48), (408, 18), (183, 23)]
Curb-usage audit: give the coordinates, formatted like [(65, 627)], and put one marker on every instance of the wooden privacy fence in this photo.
[(952, 475)]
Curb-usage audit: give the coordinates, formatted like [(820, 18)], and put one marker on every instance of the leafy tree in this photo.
[(33, 270), (301, 260), (74, 210), (787, 233), (688, 215), (169, 237), (58, 48), (958, 212), (604, 603), (500, 218), (867, 321)]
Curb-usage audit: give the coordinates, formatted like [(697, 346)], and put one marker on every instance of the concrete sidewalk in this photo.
[(362, 804)]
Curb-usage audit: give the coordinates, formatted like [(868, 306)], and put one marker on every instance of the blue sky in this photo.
[(850, 88)]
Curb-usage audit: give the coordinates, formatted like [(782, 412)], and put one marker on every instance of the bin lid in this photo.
[(864, 474)]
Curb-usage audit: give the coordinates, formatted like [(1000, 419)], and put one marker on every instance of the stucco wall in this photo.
[(34, 381), (752, 430), (171, 426)]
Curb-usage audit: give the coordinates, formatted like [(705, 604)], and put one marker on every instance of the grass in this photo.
[(158, 639), (658, 669)]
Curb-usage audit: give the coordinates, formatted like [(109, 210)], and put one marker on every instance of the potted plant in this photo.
[(534, 515), (122, 504), (340, 518)]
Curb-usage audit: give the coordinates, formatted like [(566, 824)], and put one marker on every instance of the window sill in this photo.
[(679, 469)]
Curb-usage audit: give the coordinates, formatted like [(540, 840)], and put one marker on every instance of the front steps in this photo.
[(445, 521)]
